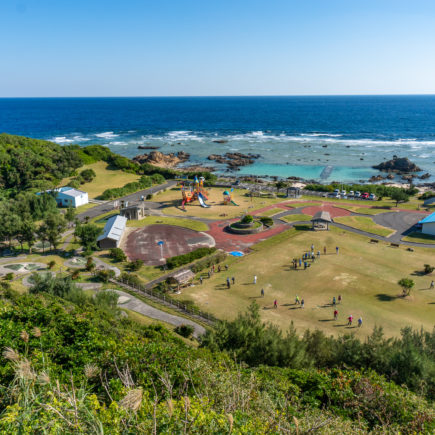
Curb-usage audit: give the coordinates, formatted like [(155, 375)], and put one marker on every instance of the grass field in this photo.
[(364, 224), (364, 274), (272, 211), (296, 217), (106, 178), (185, 223), (171, 201), (419, 237)]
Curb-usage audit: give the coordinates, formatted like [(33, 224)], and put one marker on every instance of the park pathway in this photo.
[(108, 205), (135, 304)]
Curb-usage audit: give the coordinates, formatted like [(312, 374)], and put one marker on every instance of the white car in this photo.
[(343, 193), (372, 196), (357, 194), (351, 194)]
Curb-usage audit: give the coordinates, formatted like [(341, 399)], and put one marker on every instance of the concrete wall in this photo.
[(428, 228)]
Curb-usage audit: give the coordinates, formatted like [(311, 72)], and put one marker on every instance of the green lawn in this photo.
[(296, 217), (106, 178), (419, 237), (302, 204), (364, 274), (364, 224), (272, 212), (185, 223), (366, 210)]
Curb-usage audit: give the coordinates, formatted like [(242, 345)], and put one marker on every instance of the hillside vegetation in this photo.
[(70, 368)]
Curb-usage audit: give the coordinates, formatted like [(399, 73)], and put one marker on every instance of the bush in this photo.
[(90, 265), (157, 179), (428, 269), (207, 262), (179, 260), (131, 279), (51, 264), (74, 183), (9, 276), (266, 220), (185, 330), (105, 275), (75, 275), (135, 265), (117, 254), (149, 196), (247, 219), (88, 175)]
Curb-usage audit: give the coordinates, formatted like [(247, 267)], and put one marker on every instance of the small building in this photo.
[(429, 201), (293, 192), (321, 220), (113, 232), (133, 212), (181, 278), (69, 197), (428, 225)]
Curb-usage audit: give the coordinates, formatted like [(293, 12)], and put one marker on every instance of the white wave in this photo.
[(107, 135), (79, 138), (61, 139), (321, 135), (119, 143)]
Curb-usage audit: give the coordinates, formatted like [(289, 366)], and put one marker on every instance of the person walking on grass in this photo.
[(312, 247), (297, 301), (200, 280), (255, 279), (300, 262), (339, 299), (335, 314), (432, 285), (262, 292), (318, 254), (226, 267), (349, 320), (228, 283), (275, 304), (336, 250), (324, 250), (302, 303), (360, 322), (334, 302), (219, 268), (233, 279)]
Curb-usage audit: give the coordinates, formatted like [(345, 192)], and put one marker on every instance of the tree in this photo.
[(27, 234), (70, 215), (407, 284), (42, 233), (55, 224), (88, 235), (399, 195), (117, 254), (88, 175)]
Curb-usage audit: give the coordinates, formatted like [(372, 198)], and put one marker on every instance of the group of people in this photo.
[(309, 256)]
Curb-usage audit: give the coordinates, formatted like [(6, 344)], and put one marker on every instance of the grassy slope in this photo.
[(364, 224), (106, 178), (296, 217), (418, 237), (365, 275)]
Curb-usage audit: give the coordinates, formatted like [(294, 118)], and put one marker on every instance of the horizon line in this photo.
[(224, 96)]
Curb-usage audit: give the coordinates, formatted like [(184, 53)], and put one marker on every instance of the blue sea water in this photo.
[(295, 136)]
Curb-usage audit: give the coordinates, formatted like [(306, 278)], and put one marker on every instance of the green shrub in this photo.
[(135, 265), (105, 275), (74, 183), (179, 260), (185, 330), (266, 220), (157, 179), (207, 262), (9, 276), (247, 219), (51, 264), (428, 269), (117, 254), (88, 175)]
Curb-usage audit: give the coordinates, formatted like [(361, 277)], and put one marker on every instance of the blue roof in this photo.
[(428, 219)]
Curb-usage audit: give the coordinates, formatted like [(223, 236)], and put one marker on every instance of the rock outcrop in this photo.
[(146, 147), (157, 158), (400, 165), (234, 160)]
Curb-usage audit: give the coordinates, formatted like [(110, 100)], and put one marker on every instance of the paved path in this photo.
[(135, 304), (108, 206)]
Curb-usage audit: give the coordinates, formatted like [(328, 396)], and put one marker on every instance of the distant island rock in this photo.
[(146, 147), (220, 141), (157, 158), (400, 165)]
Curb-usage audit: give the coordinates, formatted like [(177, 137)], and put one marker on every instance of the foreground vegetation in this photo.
[(69, 368)]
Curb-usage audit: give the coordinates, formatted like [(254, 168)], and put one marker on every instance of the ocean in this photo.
[(314, 137)]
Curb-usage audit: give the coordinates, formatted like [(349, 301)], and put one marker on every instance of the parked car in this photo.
[(357, 194), (343, 193), (337, 192), (372, 196), (334, 195), (351, 194), (365, 195)]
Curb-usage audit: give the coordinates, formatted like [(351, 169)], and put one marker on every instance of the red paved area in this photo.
[(142, 243), (236, 242), (333, 211)]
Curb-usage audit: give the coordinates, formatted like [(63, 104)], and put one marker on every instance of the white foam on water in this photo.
[(119, 143), (61, 140), (107, 135)]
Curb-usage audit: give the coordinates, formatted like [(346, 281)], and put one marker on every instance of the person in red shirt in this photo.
[(349, 320), (335, 314)]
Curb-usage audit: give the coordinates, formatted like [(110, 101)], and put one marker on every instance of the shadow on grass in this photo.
[(340, 326), (325, 320), (302, 227), (383, 297)]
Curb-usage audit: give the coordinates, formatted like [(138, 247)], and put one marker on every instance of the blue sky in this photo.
[(216, 47)]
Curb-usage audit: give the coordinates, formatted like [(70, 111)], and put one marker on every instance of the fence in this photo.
[(167, 300)]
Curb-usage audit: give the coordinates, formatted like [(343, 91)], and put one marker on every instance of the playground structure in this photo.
[(228, 197), (194, 191)]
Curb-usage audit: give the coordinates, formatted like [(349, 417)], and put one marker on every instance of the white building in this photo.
[(428, 225), (69, 197), (113, 232)]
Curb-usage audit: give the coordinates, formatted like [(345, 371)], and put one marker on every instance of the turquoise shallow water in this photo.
[(309, 172)]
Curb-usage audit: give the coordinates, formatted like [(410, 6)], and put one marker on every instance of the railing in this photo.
[(167, 300)]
